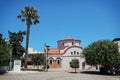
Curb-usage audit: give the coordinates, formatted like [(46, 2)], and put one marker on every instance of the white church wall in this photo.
[(72, 53), (76, 44), (66, 62), (68, 44)]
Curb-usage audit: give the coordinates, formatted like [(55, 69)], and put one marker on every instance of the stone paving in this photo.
[(55, 75)]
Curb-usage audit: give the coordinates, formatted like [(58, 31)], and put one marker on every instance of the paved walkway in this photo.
[(56, 75)]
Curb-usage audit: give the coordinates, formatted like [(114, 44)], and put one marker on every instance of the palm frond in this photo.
[(30, 15), (19, 16)]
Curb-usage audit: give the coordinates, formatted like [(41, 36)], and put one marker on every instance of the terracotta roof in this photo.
[(53, 51)]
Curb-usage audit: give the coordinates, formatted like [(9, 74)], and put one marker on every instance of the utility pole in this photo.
[(46, 52)]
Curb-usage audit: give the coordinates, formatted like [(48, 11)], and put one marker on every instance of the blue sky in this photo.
[(86, 20)]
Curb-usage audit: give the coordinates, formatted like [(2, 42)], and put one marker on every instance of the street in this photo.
[(56, 75)]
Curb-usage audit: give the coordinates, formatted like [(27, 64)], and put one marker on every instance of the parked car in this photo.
[(110, 69)]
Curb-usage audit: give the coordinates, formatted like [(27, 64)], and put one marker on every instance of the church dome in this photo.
[(67, 42), (69, 38)]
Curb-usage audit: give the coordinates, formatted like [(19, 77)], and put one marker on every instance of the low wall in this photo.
[(4, 69)]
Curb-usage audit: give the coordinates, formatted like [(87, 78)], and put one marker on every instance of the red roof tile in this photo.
[(53, 51)]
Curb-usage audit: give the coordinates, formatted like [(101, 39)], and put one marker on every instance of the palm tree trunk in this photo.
[(38, 66), (75, 70), (27, 44)]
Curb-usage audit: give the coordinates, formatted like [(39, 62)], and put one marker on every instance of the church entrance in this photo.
[(54, 63)]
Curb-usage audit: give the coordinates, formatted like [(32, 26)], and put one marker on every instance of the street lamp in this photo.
[(46, 51)]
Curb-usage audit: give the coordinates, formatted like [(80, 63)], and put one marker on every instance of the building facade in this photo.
[(32, 52), (68, 49)]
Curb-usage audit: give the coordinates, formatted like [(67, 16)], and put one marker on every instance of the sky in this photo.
[(85, 20)]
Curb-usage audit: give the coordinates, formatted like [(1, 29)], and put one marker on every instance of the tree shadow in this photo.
[(96, 73), (74, 72), (2, 72), (35, 69), (91, 72)]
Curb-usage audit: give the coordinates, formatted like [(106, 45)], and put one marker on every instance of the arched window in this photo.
[(74, 52), (72, 43), (77, 53), (71, 53), (63, 44), (58, 61), (50, 61)]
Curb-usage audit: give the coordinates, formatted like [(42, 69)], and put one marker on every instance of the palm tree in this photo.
[(30, 16)]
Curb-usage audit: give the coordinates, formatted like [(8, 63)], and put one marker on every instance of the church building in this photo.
[(68, 48)]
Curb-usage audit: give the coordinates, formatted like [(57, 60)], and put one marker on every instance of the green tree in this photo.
[(101, 52), (74, 64), (38, 59), (30, 16), (4, 50), (16, 40)]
